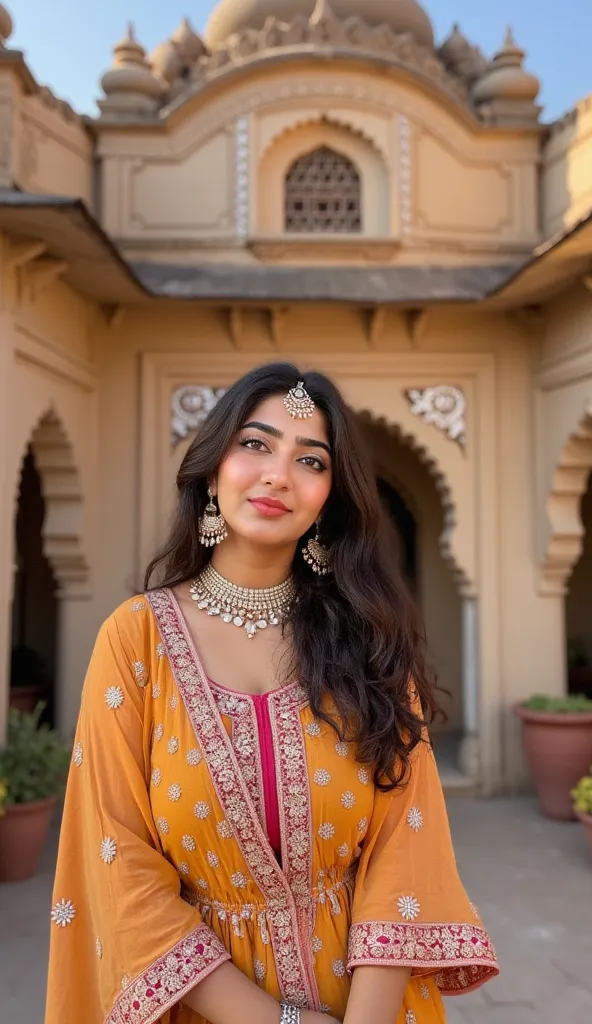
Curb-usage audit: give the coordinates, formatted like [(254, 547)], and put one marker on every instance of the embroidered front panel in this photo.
[(295, 811), (245, 740), (462, 953), (235, 799), (146, 998)]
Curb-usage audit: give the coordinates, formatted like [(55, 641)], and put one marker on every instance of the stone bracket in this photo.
[(22, 253), (375, 320), (43, 272), (416, 321), (278, 317)]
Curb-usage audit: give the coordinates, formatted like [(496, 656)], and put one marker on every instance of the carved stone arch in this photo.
[(332, 120), (62, 491), (459, 572), (566, 531), (310, 134)]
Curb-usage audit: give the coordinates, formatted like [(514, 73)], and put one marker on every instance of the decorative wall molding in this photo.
[(326, 94), (404, 173), (190, 404), (443, 406), (242, 179)]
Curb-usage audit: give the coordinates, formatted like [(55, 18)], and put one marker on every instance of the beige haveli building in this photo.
[(319, 181)]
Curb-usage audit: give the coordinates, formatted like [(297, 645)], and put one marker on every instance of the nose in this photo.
[(276, 472)]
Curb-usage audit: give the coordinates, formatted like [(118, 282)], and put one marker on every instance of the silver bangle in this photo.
[(290, 1014)]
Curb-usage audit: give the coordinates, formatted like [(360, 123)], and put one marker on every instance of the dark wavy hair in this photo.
[(357, 636)]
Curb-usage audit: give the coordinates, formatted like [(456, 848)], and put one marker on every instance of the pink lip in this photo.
[(270, 507)]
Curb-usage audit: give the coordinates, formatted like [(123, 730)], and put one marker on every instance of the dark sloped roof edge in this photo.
[(377, 285), (26, 200), (542, 251), (264, 284)]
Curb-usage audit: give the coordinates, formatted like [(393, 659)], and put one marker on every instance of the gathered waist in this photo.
[(330, 889)]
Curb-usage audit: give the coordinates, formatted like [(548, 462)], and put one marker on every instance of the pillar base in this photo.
[(469, 757)]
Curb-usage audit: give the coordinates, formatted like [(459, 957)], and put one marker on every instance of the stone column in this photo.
[(76, 633), (469, 751)]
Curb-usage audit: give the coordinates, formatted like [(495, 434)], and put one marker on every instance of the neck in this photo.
[(254, 567)]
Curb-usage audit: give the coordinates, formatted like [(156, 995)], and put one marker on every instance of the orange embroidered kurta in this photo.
[(165, 869)]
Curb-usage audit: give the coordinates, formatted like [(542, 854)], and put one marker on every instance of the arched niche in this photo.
[(306, 138)]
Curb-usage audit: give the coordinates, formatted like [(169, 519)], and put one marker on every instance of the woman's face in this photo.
[(277, 477)]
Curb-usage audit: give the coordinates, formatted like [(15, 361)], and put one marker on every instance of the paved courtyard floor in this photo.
[(531, 878)]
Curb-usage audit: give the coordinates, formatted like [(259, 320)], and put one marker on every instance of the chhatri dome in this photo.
[(235, 15)]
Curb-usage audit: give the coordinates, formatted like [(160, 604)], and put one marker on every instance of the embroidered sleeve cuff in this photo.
[(460, 956), (168, 979)]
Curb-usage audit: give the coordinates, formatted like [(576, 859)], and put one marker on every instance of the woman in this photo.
[(254, 828)]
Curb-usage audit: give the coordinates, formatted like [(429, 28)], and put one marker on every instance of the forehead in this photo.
[(272, 412)]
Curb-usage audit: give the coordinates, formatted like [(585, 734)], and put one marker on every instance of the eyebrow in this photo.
[(304, 442)]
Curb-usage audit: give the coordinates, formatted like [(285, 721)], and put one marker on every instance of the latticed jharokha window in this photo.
[(323, 193)]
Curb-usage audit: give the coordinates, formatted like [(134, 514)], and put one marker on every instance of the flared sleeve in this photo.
[(410, 908), (125, 947)]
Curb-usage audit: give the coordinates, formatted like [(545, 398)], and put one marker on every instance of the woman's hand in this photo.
[(312, 1017)]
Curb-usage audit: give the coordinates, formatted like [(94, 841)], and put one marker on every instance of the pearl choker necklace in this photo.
[(242, 606)]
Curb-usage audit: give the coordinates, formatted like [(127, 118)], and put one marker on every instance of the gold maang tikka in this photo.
[(298, 403)]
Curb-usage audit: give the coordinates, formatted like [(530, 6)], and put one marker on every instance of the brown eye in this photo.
[(314, 462), (251, 443)]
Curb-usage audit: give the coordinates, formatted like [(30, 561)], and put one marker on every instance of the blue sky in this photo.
[(68, 45)]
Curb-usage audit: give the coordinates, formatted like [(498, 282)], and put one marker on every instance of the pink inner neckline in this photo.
[(267, 756)]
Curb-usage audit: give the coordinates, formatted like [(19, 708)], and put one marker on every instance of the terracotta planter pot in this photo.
[(23, 831), (586, 820), (559, 752), (25, 698)]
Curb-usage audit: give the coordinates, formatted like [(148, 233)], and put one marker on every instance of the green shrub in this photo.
[(582, 795), (34, 761), (573, 705)]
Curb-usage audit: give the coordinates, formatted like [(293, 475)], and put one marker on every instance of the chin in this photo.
[(266, 535)]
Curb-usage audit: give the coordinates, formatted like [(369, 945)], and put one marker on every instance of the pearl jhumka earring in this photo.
[(212, 525)]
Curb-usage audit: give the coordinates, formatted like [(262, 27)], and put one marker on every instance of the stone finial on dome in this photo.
[(165, 60), (455, 45), (461, 57), (130, 85), (505, 78), (189, 44), (6, 25)]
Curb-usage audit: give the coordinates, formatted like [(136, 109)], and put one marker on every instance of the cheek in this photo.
[(313, 492), (235, 475)]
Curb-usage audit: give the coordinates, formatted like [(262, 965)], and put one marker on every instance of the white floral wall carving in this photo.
[(443, 406), (190, 404)]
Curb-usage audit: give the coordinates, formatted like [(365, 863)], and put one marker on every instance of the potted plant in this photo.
[(582, 797), (557, 737), (33, 769)]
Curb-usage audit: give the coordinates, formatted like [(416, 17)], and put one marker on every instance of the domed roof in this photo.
[(234, 15)]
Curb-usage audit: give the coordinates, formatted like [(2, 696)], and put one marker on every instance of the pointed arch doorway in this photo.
[(415, 507), (50, 573), (35, 604)]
